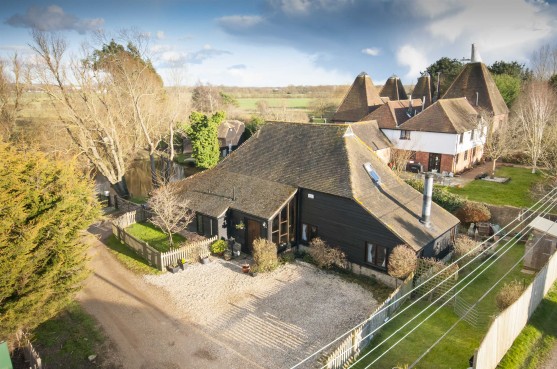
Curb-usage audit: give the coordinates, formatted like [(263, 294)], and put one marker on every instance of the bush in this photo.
[(287, 257), (264, 255), (440, 195), (325, 256), (219, 246), (462, 246), (508, 294), (473, 212), (402, 262)]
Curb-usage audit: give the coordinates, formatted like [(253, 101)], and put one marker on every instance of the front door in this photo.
[(434, 162), (253, 232)]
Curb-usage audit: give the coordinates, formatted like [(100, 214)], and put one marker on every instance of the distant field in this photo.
[(275, 102)]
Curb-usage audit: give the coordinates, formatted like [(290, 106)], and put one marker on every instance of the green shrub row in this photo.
[(441, 196)]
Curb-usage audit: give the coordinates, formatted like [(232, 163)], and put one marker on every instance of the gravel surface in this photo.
[(275, 319)]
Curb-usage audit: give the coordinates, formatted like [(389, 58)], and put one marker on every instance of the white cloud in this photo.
[(53, 18), (160, 48), (413, 58), (239, 22), (371, 51), (160, 35)]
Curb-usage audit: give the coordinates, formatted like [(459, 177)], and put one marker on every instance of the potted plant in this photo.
[(245, 268), (182, 262), (219, 247), (205, 260), (173, 268), (227, 255)]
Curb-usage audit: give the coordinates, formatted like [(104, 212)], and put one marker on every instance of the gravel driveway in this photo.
[(275, 319)]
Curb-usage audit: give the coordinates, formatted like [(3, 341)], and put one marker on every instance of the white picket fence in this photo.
[(189, 252)]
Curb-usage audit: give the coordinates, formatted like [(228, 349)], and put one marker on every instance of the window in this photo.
[(461, 137), (376, 255), (199, 220), (472, 134), (457, 156), (284, 224), (404, 135), (309, 232), (465, 155), (473, 153), (413, 155)]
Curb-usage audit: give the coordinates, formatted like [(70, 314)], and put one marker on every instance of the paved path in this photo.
[(147, 331)]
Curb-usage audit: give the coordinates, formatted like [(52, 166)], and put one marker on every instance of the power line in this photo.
[(436, 310), (476, 303), (430, 278)]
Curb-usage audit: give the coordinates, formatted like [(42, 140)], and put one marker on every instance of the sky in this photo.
[(292, 42)]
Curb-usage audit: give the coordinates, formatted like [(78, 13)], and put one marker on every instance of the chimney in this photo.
[(475, 57), (428, 190)]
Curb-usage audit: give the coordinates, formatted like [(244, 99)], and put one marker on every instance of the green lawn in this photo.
[(275, 102), (153, 236), (129, 258), (66, 340), (515, 193), (454, 350), (537, 339)]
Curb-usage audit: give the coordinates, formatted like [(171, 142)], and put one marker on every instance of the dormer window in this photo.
[(404, 135)]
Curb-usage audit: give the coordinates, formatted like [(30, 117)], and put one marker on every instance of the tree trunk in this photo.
[(170, 241), (121, 188), (493, 164), (153, 170)]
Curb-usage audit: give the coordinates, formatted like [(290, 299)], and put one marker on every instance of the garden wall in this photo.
[(508, 325)]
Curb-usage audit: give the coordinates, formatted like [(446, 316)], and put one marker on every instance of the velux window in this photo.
[(376, 255), (404, 135)]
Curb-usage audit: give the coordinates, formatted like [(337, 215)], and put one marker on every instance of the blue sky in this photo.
[(283, 42)]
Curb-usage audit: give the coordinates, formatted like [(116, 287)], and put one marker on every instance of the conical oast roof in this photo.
[(475, 83), (422, 90), (359, 101), (393, 89)]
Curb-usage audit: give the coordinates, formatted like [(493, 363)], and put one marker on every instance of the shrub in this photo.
[(326, 256), (219, 246), (440, 195), (473, 212), (402, 262), (287, 257), (462, 246), (509, 293), (264, 255)]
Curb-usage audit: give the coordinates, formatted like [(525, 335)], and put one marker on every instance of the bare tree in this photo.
[(400, 158), (544, 62), (110, 100), (534, 112), (499, 142), (171, 214), (14, 78)]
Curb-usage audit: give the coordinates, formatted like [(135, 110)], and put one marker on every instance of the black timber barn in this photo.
[(291, 182)]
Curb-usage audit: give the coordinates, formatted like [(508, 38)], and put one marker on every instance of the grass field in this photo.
[(129, 258), (275, 102), (153, 236), (66, 340), (515, 193), (536, 340), (458, 346)]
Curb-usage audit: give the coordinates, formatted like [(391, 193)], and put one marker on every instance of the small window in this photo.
[(472, 134), (465, 155), (457, 156), (199, 220), (404, 135), (461, 137), (376, 255), (309, 232)]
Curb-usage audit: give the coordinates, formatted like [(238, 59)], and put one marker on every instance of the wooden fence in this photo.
[(31, 356), (508, 325), (155, 258), (360, 337)]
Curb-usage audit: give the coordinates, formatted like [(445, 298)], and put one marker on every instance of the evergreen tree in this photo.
[(509, 87), (203, 135), (44, 204), (446, 70)]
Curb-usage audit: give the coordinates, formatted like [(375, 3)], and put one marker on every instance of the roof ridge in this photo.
[(447, 115)]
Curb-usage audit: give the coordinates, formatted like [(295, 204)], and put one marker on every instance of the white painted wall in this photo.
[(440, 143)]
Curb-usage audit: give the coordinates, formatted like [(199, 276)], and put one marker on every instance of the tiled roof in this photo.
[(393, 89), (475, 78), (229, 132), (445, 116), (369, 132), (423, 89), (268, 168), (394, 113), (359, 101)]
